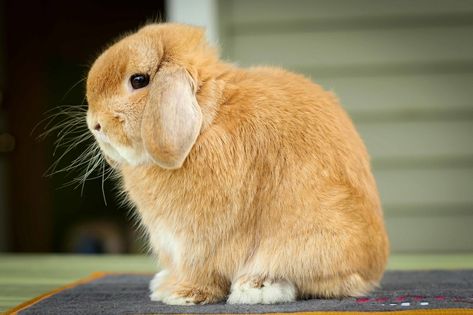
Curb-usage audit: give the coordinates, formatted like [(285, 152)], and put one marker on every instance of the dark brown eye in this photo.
[(139, 81)]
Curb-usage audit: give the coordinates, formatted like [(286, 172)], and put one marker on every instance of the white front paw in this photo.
[(281, 291), (155, 284), (178, 300)]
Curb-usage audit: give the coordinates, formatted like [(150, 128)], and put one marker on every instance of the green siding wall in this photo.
[(404, 71)]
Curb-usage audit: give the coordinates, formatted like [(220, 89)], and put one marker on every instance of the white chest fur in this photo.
[(165, 241)]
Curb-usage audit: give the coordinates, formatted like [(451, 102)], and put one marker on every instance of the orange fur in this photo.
[(277, 185)]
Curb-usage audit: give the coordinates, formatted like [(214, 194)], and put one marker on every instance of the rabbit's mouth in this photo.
[(102, 137), (109, 151)]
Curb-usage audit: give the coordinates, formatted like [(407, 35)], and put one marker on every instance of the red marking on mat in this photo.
[(440, 298), (463, 299), (400, 298), (418, 298), (381, 300), (362, 300)]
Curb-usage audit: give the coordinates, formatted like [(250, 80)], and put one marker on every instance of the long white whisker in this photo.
[(72, 87), (103, 182), (93, 164), (68, 112), (53, 167), (72, 140), (69, 125), (75, 122), (79, 161), (111, 172), (86, 174), (72, 143)]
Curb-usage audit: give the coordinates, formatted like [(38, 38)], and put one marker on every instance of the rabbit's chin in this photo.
[(120, 155)]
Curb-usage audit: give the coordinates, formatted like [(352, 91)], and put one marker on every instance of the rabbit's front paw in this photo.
[(260, 290), (157, 286), (158, 280), (189, 295)]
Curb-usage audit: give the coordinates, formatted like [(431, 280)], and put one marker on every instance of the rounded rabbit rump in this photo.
[(252, 184)]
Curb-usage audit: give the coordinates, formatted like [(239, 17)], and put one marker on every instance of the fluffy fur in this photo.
[(274, 198)]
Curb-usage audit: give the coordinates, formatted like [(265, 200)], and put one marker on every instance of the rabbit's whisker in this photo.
[(66, 112), (66, 151), (103, 181), (69, 125), (91, 166), (73, 86)]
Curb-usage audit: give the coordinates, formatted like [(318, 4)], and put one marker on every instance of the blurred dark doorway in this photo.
[(47, 49)]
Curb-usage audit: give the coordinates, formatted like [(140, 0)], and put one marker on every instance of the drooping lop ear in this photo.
[(172, 118)]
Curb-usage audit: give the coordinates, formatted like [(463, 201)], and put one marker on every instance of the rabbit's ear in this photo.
[(172, 118)]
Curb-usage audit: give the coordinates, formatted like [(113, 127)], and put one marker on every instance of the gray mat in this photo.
[(401, 290)]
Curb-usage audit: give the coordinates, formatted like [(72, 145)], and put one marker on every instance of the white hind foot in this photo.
[(257, 290)]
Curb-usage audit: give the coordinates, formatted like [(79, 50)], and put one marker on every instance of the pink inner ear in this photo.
[(172, 118)]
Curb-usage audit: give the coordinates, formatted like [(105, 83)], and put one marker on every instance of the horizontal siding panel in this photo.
[(410, 187), (388, 69), (348, 48), (417, 232), (418, 139), (250, 11), (404, 71), (402, 93)]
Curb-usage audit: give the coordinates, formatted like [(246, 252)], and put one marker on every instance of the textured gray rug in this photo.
[(400, 291)]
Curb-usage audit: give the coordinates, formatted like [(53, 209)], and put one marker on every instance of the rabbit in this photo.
[(252, 184)]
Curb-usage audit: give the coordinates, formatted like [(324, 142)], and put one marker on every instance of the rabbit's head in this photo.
[(142, 95)]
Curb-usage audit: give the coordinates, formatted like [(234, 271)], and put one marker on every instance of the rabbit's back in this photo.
[(309, 171)]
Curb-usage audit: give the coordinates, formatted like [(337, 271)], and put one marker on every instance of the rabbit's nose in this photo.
[(97, 127)]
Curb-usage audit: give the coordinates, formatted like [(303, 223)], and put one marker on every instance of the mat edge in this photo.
[(436, 311), (93, 276), (100, 274)]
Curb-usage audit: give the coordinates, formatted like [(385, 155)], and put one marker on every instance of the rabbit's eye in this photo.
[(139, 81)]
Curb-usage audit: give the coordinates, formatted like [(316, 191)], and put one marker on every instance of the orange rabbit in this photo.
[(252, 184)]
